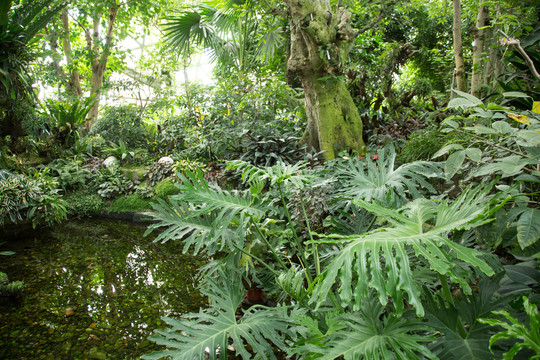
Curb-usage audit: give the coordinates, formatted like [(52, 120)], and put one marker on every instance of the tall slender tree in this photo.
[(478, 50), (458, 48)]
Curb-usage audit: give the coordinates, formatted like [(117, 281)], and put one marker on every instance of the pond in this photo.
[(95, 289)]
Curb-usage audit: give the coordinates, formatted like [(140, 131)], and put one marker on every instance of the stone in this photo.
[(166, 160), (111, 160)]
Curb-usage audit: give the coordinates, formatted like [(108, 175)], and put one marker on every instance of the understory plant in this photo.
[(34, 198), (358, 288)]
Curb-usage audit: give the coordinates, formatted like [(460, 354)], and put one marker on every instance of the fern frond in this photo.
[(380, 259), (376, 179), (207, 333)]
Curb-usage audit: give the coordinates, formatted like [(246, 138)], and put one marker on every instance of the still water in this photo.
[(94, 290)]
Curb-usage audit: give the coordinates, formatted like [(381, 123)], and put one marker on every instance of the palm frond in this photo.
[(190, 27), (380, 259), (207, 333)]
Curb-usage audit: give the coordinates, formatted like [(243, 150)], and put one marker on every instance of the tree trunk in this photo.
[(478, 49), (458, 48), (74, 82), (320, 45), (99, 62)]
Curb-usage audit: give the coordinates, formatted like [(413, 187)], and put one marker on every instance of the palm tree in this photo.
[(19, 26), (230, 32)]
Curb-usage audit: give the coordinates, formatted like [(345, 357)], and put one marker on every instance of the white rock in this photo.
[(108, 162), (166, 160)]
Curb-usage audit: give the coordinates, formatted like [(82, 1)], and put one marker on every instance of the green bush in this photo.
[(166, 188), (422, 145), (80, 204), (129, 203), (32, 198), (121, 123)]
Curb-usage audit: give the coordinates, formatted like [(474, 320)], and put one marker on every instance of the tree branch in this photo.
[(508, 41)]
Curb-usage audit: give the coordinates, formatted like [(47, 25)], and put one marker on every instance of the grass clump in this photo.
[(130, 203)]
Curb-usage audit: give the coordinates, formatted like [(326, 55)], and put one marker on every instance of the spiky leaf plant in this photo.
[(368, 334), (369, 179), (208, 334), (381, 259)]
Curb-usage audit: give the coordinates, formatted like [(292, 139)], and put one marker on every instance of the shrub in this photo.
[(166, 188), (422, 145), (121, 123), (30, 198), (81, 204), (129, 203)]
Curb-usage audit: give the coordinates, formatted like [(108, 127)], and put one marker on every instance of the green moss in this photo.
[(81, 204), (135, 173), (166, 188), (130, 203)]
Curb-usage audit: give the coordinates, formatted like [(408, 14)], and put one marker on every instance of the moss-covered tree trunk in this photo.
[(320, 43)]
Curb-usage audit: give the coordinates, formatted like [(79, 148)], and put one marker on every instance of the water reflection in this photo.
[(93, 286)]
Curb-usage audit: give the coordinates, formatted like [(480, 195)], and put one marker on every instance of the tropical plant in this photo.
[(121, 123), (338, 283), (81, 204), (231, 31), (530, 337), (71, 175), (376, 178), (67, 118), (120, 151), (503, 144), (33, 198), (19, 25), (208, 332)]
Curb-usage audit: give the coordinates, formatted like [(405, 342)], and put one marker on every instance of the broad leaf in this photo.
[(376, 179), (206, 335), (381, 259), (463, 336), (453, 163), (365, 336), (528, 227)]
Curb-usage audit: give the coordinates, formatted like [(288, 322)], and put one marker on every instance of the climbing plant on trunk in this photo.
[(321, 38)]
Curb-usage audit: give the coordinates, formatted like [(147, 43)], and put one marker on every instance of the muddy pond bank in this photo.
[(94, 289)]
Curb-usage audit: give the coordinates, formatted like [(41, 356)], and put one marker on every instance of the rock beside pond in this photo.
[(111, 160)]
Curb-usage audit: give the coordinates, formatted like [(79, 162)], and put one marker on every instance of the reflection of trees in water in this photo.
[(112, 277)]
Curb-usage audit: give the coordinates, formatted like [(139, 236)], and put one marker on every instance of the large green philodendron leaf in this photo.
[(205, 216), (197, 231), (380, 259), (206, 335), (375, 179), (462, 335), (364, 335)]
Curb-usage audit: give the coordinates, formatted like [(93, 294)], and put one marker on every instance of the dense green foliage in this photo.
[(424, 246)]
